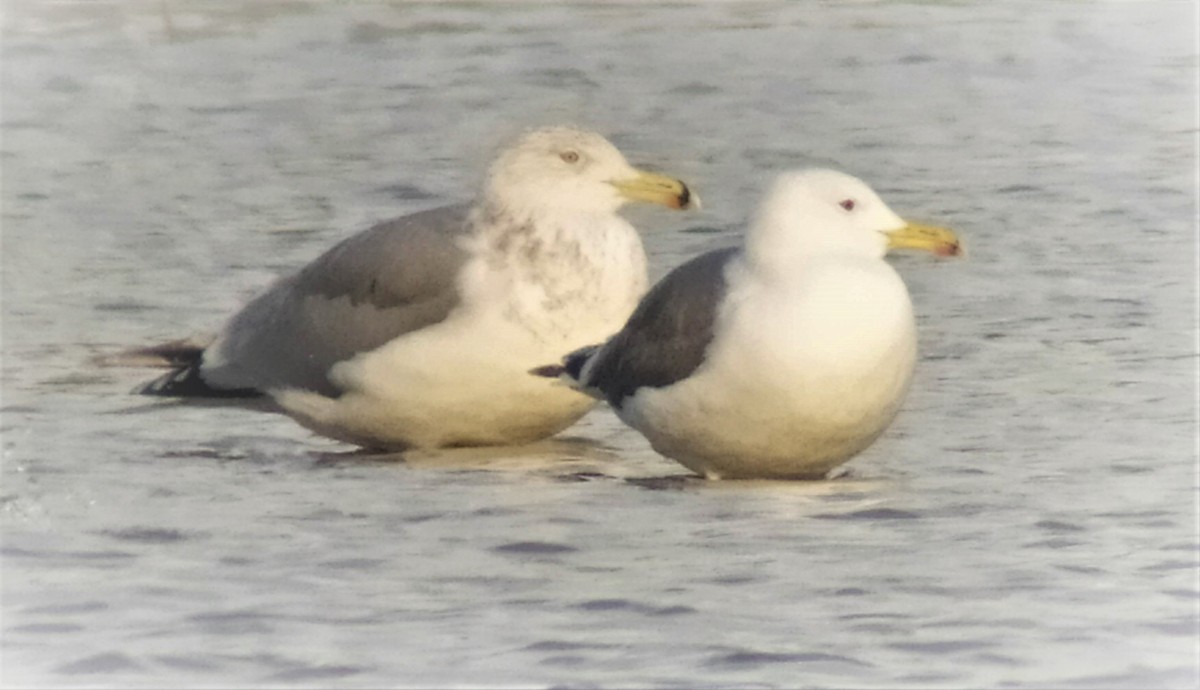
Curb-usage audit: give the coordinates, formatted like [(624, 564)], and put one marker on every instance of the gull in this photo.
[(419, 332), (782, 358)]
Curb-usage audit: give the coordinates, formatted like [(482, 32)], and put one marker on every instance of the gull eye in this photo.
[(569, 156), (847, 204)]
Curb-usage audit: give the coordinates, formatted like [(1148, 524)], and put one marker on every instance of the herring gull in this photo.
[(419, 332), (779, 359)]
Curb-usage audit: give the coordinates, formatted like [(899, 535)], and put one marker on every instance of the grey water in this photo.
[(1030, 520)]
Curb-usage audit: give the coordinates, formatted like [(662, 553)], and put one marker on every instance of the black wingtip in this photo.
[(177, 354), (574, 363), (550, 371), (186, 382)]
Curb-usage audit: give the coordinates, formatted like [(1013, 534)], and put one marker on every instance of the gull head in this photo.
[(825, 212), (568, 170)]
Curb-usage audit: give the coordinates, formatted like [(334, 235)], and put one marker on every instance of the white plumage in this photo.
[(783, 359), (465, 381), (420, 332)]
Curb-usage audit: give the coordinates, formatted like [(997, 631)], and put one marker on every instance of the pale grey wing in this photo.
[(391, 279), (666, 338)]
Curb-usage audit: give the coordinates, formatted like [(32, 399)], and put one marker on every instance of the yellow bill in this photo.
[(928, 238), (656, 189)]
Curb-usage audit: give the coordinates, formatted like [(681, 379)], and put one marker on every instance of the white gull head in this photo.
[(563, 170), (818, 212)]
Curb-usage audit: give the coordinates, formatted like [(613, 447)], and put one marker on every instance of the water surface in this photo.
[(1029, 521)]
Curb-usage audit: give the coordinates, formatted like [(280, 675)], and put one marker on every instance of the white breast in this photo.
[(466, 380), (573, 285), (799, 377)]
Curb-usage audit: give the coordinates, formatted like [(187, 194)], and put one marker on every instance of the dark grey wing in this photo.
[(665, 339), (393, 278)]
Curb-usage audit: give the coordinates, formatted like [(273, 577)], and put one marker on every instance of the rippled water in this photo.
[(1029, 521)]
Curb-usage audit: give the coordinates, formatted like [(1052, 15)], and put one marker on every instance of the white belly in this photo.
[(464, 382), (791, 387), (467, 381)]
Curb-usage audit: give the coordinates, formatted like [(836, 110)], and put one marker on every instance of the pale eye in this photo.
[(569, 156), (847, 204)]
